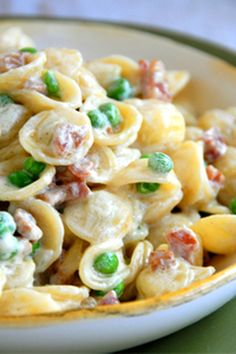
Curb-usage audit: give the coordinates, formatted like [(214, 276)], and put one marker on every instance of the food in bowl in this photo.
[(111, 190)]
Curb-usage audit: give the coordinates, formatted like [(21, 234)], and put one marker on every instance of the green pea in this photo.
[(7, 224), (5, 99), (20, 178), (120, 89), (106, 263), (30, 50), (34, 167), (112, 113), (160, 162), (232, 206), (99, 293), (9, 246), (146, 188), (35, 246), (119, 289), (50, 80), (145, 156), (97, 118)]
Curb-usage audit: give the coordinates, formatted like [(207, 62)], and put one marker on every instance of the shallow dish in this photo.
[(122, 326)]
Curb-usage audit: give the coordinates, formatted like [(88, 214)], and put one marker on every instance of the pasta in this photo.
[(111, 189)]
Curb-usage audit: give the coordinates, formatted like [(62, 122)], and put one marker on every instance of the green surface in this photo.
[(214, 334)]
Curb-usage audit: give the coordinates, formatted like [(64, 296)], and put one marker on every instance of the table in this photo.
[(214, 334)]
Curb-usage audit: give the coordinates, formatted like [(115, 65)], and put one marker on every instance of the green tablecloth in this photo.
[(214, 334)]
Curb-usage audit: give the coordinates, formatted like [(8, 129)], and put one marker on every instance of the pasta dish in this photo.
[(112, 189)]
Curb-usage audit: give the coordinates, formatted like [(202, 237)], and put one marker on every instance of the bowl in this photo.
[(116, 327)]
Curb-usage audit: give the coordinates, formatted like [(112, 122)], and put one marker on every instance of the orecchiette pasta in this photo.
[(12, 118), (129, 126), (66, 61), (18, 67), (14, 38), (58, 137), (36, 101), (49, 221), (112, 188), (162, 127), (96, 219)]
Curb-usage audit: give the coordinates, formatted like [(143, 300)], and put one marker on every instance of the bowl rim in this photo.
[(137, 307), (190, 40)]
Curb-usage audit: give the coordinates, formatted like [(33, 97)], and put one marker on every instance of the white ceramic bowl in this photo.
[(116, 327)]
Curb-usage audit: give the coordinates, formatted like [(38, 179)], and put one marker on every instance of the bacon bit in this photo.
[(36, 84), (153, 80), (67, 137), (161, 259), (216, 178), (63, 175), (109, 130), (184, 243), (53, 196), (109, 299), (12, 61), (26, 225), (81, 169), (60, 194), (76, 190), (77, 172), (214, 145)]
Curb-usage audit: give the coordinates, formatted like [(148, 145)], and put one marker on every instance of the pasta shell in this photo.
[(138, 230), (12, 117), (129, 67), (190, 170), (163, 200), (66, 61), (96, 280), (37, 102), (37, 133), (11, 150), (193, 133), (104, 163), (88, 84), (2, 281), (177, 80), (221, 119), (138, 171), (217, 232), (188, 111), (158, 232), (10, 192), (163, 125), (107, 162), (98, 217), (20, 274), (41, 300), (129, 127), (139, 260), (15, 78), (69, 263), (105, 73), (49, 221), (227, 165), (182, 274), (14, 38), (12, 164)]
